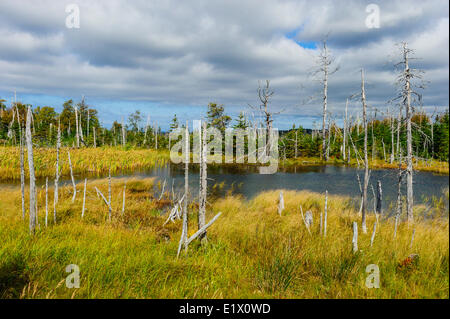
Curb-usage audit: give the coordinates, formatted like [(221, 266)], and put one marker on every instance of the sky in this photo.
[(166, 57)]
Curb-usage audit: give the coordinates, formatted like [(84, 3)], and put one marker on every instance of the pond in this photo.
[(245, 180)]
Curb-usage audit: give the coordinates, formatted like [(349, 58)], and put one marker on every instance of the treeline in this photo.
[(386, 135)]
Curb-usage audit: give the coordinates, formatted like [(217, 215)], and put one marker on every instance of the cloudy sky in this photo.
[(165, 57)]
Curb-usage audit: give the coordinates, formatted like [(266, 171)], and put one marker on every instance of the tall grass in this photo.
[(91, 161), (252, 252)]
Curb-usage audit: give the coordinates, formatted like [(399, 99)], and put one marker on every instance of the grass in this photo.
[(252, 252), (89, 161), (432, 165)]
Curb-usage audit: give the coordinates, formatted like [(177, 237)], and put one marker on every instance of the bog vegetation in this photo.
[(252, 251)]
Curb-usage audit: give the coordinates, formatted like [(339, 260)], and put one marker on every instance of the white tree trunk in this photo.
[(46, 202), (203, 182), (366, 161), (325, 215), (31, 169), (409, 163), (22, 172), (73, 179), (58, 145)]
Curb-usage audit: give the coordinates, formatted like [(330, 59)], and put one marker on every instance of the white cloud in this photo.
[(190, 53)]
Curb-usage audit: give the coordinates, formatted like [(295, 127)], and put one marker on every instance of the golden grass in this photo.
[(252, 252), (94, 162), (432, 165)]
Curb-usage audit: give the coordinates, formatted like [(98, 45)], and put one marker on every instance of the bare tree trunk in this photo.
[(73, 179), (46, 202), (77, 127), (409, 164), (355, 237), (109, 193), (296, 143), (58, 145), (325, 215), (22, 173), (123, 200), (146, 129), (32, 176), (344, 142), (123, 134), (95, 138), (399, 126), (184, 232), (325, 99), (373, 233), (391, 160), (379, 198), (399, 195), (156, 135), (203, 183), (366, 161), (88, 118)]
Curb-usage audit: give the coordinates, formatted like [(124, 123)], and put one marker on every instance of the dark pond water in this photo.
[(246, 180)]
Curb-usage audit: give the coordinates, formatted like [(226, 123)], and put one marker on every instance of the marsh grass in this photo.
[(252, 252), (86, 161)]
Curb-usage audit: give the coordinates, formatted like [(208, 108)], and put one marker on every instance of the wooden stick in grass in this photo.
[(412, 238), (355, 237), (280, 203), (123, 199), (307, 225), (373, 233), (104, 199)]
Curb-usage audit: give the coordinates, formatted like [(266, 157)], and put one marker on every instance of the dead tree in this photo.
[(123, 199), (77, 127), (58, 145), (325, 215), (123, 134), (399, 195), (109, 193), (325, 60), (265, 94), (184, 231), (280, 203), (203, 180), (379, 198), (46, 202), (344, 140), (405, 78), (308, 220), (108, 203), (31, 169), (22, 173), (355, 237), (366, 161), (73, 179), (391, 121)]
